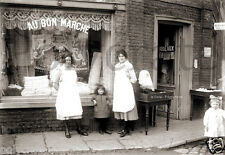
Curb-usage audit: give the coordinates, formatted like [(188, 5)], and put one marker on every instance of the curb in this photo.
[(182, 142)]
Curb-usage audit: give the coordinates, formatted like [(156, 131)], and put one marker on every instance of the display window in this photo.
[(35, 40)]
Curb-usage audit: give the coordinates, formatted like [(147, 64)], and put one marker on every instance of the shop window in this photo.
[(166, 55), (33, 54)]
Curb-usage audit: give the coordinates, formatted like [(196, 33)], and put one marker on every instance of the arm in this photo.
[(205, 120), (94, 100), (132, 75), (108, 101), (56, 79), (223, 113)]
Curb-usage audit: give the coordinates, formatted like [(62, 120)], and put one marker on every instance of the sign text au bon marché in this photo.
[(51, 22)]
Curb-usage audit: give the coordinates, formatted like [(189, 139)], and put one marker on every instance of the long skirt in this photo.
[(59, 117), (127, 116)]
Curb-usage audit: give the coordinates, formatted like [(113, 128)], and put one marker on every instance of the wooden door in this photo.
[(184, 73)]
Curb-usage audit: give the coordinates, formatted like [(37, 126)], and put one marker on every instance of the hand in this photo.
[(56, 85), (128, 75), (94, 102)]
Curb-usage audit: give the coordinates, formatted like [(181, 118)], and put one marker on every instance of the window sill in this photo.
[(14, 102)]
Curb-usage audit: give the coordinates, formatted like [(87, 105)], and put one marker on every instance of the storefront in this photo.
[(170, 39), (32, 39)]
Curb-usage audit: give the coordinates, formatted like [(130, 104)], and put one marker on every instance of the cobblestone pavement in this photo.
[(198, 148)]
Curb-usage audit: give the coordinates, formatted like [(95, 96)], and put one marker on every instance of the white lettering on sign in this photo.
[(219, 26), (48, 22), (166, 48)]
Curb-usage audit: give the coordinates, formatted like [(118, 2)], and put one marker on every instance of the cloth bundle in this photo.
[(145, 80), (83, 88), (36, 86)]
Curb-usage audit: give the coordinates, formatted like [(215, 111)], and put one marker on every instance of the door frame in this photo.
[(183, 110)]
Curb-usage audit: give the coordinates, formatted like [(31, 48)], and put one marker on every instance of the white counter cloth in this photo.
[(68, 100), (123, 95), (214, 120)]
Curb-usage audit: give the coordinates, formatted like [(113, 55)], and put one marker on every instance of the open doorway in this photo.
[(174, 60)]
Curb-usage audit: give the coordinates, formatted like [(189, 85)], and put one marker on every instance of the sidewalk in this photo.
[(180, 132)]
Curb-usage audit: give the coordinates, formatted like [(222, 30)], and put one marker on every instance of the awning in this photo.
[(19, 17)]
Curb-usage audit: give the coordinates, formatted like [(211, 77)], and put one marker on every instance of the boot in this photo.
[(122, 125), (67, 132), (105, 126), (79, 130), (131, 125), (126, 130)]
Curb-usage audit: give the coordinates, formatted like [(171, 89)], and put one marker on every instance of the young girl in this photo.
[(101, 109), (214, 121)]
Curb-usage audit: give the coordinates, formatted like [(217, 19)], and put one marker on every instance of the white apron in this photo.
[(68, 100), (123, 95)]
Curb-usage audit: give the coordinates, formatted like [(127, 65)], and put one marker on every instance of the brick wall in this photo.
[(42, 119), (140, 17), (28, 120)]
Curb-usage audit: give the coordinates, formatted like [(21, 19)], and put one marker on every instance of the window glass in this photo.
[(33, 54)]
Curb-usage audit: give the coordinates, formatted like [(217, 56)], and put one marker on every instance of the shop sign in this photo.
[(166, 49), (219, 26), (51, 22)]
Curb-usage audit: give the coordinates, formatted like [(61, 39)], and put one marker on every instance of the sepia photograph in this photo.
[(112, 77)]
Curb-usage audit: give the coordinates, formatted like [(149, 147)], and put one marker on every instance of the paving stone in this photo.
[(96, 135), (54, 142), (196, 148), (7, 145), (102, 145), (32, 142), (131, 143), (57, 142), (183, 151), (193, 152)]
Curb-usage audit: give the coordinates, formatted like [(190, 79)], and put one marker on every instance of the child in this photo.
[(214, 122), (101, 109)]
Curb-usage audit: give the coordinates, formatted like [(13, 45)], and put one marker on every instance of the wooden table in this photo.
[(153, 99), (203, 95)]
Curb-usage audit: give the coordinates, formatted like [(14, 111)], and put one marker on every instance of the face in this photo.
[(68, 61), (121, 58), (100, 91), (215, 104)]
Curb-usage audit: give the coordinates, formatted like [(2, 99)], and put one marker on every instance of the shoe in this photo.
[(108, 132), (83, 133), (120, 131), (123, 133), (101, 132), (67, 134)]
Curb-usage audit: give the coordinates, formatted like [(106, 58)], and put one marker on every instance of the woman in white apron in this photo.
[(124, 105), (68, 104)]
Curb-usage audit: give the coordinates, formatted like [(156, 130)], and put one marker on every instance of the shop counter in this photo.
[(153, 99), (11, 102), (204, 96)]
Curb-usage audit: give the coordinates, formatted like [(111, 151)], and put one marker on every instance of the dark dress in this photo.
[(101, 109)]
